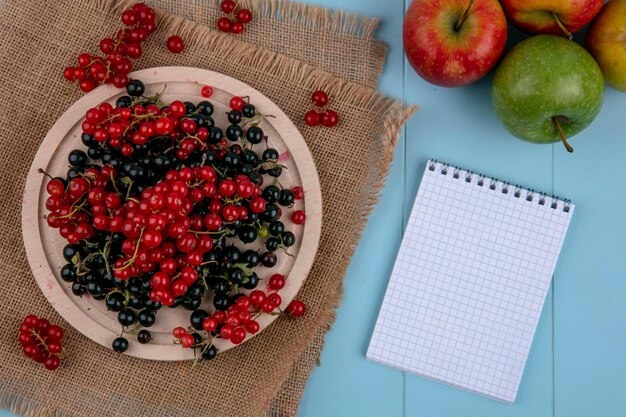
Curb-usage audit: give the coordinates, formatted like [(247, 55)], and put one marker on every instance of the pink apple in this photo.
[(452, 43), (557, 17)]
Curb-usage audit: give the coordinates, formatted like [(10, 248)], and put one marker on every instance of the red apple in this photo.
[(452, 43), (557, 17)]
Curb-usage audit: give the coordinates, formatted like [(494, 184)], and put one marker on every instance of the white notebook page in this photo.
[(470, 281)]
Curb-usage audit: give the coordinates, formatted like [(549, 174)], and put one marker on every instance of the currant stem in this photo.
[(128, 263), (459, 24), (557, 124), (566, 32), (41, 171)]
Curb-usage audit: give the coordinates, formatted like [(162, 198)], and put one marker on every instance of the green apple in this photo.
[(606, 40), (547, 89)]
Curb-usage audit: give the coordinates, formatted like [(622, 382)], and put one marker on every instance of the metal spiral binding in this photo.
[(506, 188)]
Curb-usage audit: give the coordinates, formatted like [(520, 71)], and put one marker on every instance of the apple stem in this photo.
[(458, 24), (565, 31), (557, 124)]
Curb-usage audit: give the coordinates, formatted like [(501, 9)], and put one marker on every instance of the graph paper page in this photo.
[(469, 282)]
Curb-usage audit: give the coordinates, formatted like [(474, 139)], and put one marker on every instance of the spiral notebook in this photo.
[(470, 281)]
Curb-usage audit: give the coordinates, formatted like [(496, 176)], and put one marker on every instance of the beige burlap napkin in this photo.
[(37, 40)]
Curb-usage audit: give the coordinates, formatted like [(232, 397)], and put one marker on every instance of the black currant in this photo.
[(88, 140), (288, 238), (68, 273), (249, 111), (251, 258), (95, 153), (136, 302), (74, 172), (234, 117), (270, 155), (232, 160), (135, 88), (276, 228), (271, 213), (215, 135), (191, 303), (197, 317), (78, 289), (269, 259), (146, 318), (120, 344), (126, 317), (123, 101), (286, 198), (209, 353), (247, 234), (252, 282), (221, 301), (234, 132), (190, 107), (205, 108), (144, 336), (77, 158), (272, 244), (236, 276), (115, 301), (275, 172), (195, 291), (153, 305), (271, 193), (220, 286), (255, 135), (232, 253), (69, 251)]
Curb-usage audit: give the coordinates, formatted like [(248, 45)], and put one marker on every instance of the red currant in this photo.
[(319, 98), (175, 44), (210, 324), (237, 28), (129, 18), (298, 217), (298, 192), (330, 118), (312, 118), (207, 91), (228, 6), (224, 24), (252, 327), (276, 282), (296, 308), (244, 16), (179, 332), (237, 103)]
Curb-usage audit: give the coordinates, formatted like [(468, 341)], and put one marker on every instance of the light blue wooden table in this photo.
[(577, 364)]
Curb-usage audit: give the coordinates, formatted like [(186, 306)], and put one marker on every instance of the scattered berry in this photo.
[(296, 308), (236, 20), (207, 91), (298, 217), (118, 51), (330, 118), (175, 44), (312, 118), (144, 336), (319, 98), (41, 341), (228, 6), (120, 344)]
